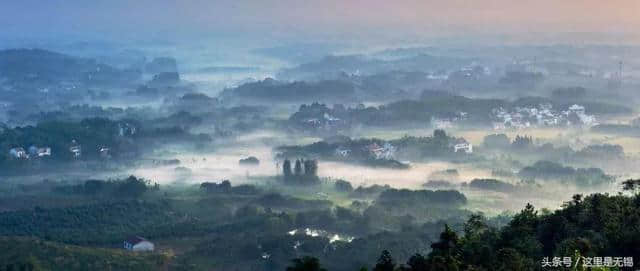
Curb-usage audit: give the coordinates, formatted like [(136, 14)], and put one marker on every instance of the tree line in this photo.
[(304, 172)]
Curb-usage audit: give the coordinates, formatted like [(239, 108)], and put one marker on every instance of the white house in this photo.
[(313, 122), (343, 152), (441, 123), (331, 119), (46, 151), (463, 146), (387, 151), (138, 243), (499, 126), (18, 153), (126, 129), (39, 152), (76, 149), (578, 109), (579, 112), (105, 152)]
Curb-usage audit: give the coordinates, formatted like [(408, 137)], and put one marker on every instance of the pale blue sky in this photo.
[(326, 18)]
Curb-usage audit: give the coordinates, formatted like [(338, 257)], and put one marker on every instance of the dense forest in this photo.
[(583, 231)]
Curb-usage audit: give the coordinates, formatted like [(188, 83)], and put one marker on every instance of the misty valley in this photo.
[(319, 156)]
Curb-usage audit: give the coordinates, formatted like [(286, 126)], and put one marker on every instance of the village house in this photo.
[(343, 152), (331, 120), (578, 114), (42, 152), (137, 243), (386, 151), (75, 149), (499, 126), (313, 122), (441, 123), (126, 129), (462, 145), (105, 152), (541, 115), (438, 76), (578, 109), (18, 153), (39, 152)]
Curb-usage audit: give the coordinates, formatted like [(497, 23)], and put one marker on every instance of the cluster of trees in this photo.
[(343, 186), (131, 187), (439, 145), (123, 138), (264, 233), (400, 198), (522, 78), (492, 184), (45, 68), (621, 129), (104, 223), (569, 93), (550, 170), (406, 112), (282, 202), (369, 191), (502, 141), (397, 208), (594, 226), (78, 112), (441, 105), (251, 160), (273, 90), (522, 142), (225, 187), (91, 134), (332, 66), (526, 145), (304, 172), (604, 151)]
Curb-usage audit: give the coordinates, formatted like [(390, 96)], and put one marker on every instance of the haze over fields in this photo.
[(319, 135)]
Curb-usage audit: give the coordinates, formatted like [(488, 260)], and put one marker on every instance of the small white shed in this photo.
[(138, 243)]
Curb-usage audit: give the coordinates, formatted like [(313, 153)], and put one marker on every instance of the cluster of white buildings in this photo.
[(448, 123), (327, 122), (126, 129), (542, 115), (442, 124), (333, 237), (579, 112), (386, 151), (374, 150), (31, 152), (19, 153), (474, 71)]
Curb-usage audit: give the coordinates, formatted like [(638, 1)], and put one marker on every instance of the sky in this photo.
[(326, 19)]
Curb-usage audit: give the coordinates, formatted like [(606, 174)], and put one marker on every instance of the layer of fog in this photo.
[(222, 163)]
